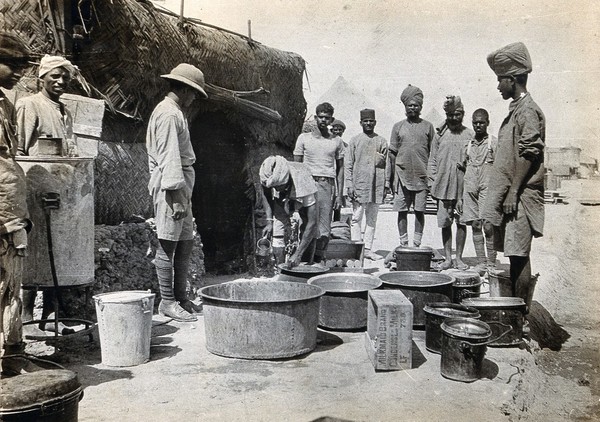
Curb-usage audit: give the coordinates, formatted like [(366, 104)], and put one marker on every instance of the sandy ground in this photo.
[(554, 379)]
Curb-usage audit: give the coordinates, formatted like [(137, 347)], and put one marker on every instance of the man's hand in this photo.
[(459, 207), (268, 229), (177, 199), (510, 202), (351, 194), (339, 202), (294, 260)]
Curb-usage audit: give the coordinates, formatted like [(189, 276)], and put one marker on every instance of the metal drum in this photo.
[(71, 220), (413, 259), (468, 284)]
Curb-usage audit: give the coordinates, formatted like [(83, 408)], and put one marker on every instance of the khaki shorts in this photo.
[(446, 214), (405, 198), (472, 205), (166, 227), (517, 234)]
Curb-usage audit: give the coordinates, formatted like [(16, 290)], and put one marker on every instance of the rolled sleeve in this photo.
[(531, 143)]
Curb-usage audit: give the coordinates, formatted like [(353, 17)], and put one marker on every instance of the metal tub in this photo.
[(421, 288), (261, 319), (344, 305)]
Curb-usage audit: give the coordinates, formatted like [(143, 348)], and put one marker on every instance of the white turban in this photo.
[(274, 171), (52, 62)]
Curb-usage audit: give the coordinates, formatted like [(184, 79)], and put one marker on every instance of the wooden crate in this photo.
[(388, 339), (345, 250)]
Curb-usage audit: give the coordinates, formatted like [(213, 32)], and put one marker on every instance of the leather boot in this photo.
[(14, 361)]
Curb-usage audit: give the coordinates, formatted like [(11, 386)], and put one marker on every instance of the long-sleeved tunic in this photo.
[(364, 162)]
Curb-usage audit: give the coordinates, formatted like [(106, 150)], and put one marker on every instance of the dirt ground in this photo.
[(554, 377)]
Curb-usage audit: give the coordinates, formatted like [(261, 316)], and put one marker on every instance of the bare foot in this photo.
[(446, 265), (460, 265)]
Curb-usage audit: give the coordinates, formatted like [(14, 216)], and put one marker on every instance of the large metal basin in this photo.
[(421, 288), (344, 305), (261, 319)]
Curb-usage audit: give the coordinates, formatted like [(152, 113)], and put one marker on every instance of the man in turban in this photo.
[(516, 193), (288, 187), (338, 128), (446, 177), (406, 172), (14, 215), (44, 115), (365, 161), (323, 153)]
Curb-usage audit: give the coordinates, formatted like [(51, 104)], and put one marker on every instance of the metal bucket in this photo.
[(467, 284), (421, 288), (413, 259), (263, 247), (344, 305), (435, 314), (261, 319), (505, 310), (501, 286), (45, 396), (124, 325)]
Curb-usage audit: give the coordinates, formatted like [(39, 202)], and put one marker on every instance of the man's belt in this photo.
[(322, 178)]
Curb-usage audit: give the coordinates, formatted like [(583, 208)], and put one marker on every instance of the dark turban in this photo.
[(11, 48), (511, 60), (453, 103), (274, 171), (411, 93)]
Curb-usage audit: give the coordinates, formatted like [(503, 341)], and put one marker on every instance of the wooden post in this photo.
[(181, 12), (249, 29)]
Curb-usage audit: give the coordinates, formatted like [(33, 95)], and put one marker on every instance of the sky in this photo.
[(379, 47)]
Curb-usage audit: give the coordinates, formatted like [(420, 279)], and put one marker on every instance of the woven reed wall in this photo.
[(121, 183)]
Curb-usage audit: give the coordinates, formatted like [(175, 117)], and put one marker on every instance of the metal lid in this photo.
[(346, 282), (494, 302), (467, 328), (464, 278), (450, 310), (416, 278), (124, 296), (421, 249), (35, 388)]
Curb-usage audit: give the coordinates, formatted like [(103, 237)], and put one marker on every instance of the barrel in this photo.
[(503, 310), (421, 288), (344, 305), (125, 326), (71, 224), (435, 314), (463, 348), (413, 259), (261, 319), (45, 396)]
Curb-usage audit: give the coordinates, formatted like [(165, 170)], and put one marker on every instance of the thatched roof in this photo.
[(131, 43)]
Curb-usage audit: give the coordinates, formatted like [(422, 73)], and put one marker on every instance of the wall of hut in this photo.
[(122, 47)]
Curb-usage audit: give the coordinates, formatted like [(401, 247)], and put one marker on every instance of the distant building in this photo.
[(567, 163)]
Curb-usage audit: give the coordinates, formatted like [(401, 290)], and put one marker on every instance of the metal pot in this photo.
[(506, 310), (413, 259), (468, 284), (421, 288), (464, 343), (344, 305), (435, 314)]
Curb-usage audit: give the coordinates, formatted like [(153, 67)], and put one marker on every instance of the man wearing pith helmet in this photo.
[(170, 159), (516, 192)]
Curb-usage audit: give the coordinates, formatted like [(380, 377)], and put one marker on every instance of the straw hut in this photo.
[(256, 106)]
